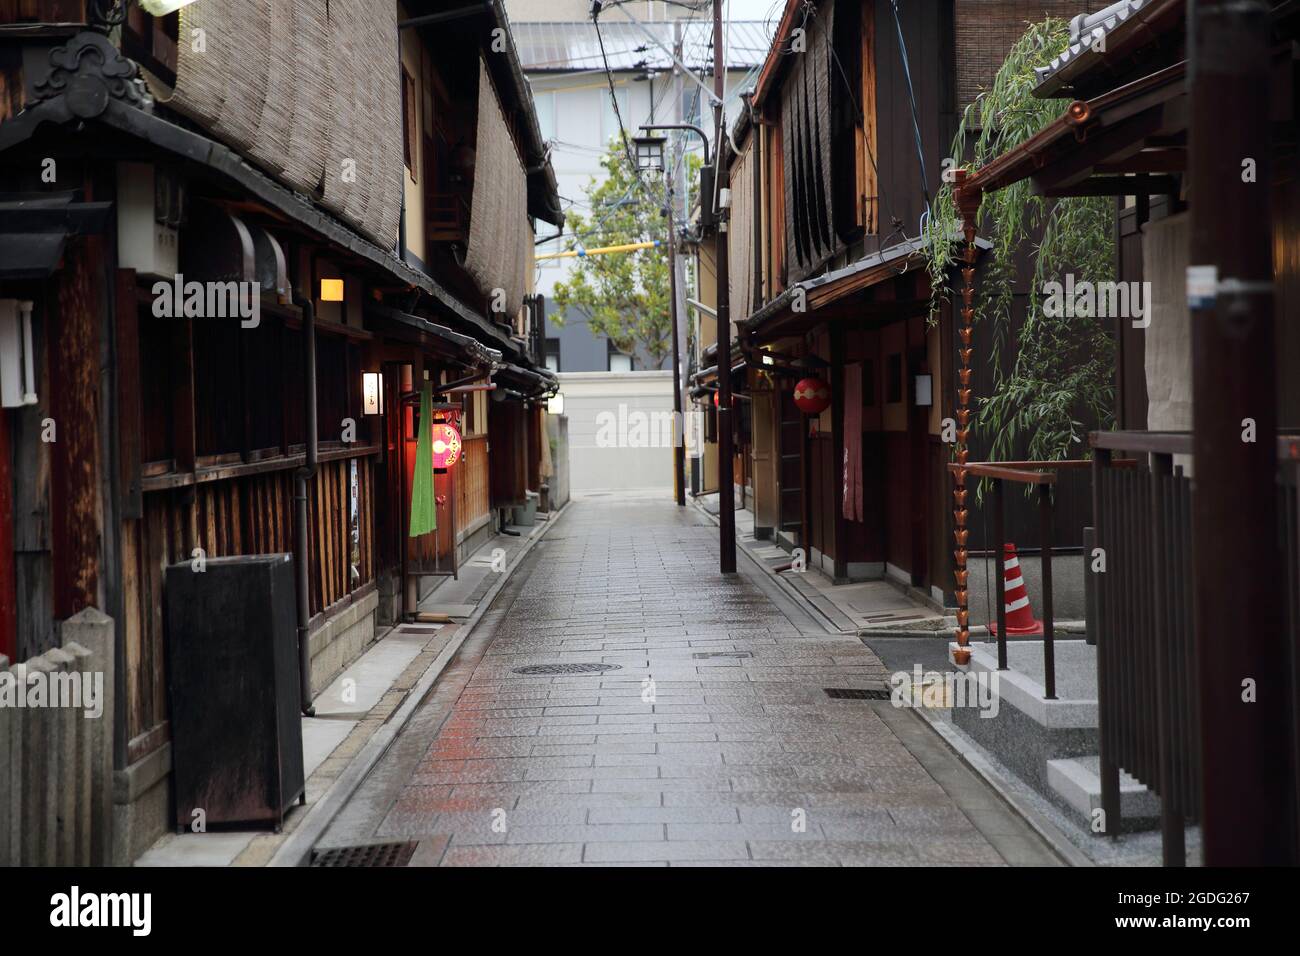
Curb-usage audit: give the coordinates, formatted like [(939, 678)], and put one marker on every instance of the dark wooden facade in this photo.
[(889, 133), (161, 439)]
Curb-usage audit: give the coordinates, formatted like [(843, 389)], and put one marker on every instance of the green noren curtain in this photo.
[(424, 515)]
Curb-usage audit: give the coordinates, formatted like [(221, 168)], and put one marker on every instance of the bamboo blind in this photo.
[(806, 140), (740, 233), (499, 235), (306, 89)]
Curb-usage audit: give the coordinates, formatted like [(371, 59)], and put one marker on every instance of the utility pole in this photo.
[(670, 185), (726, 486), (1240, 632)]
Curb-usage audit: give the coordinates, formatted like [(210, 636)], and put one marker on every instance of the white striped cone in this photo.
[(1020, 616)]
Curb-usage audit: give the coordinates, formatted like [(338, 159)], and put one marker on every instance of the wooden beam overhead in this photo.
[(1140, 185), (1171, 160)]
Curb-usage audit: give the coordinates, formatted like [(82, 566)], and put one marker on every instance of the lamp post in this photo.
[(679, 436)]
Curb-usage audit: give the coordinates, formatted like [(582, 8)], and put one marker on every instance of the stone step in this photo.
[(1077, 782)]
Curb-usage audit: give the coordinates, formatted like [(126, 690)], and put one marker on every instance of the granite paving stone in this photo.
[(668, 758)]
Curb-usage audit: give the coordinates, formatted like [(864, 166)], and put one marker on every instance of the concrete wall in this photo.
[(620, 430), (557, 432)]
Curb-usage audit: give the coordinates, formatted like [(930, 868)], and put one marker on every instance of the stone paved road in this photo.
[(713, 742)]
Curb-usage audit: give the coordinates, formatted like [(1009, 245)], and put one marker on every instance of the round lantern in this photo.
[(446, 445), (715, 399), (812, 395)]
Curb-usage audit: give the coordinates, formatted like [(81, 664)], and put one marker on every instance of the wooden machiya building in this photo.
[(833, 168), (236, 243)]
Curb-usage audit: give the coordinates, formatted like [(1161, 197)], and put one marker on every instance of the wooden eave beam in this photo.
[(1140, 185)]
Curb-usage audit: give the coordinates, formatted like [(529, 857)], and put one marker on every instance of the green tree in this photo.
[(623, 295), (1061, 378)]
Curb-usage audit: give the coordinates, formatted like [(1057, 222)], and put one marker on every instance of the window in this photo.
[(467, 408), (618, 362), (553, 354), (544, 103)]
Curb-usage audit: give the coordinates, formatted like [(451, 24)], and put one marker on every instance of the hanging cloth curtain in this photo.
[(853, 504), (424, 514)]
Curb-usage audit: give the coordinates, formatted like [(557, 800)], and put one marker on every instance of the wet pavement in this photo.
[(707, 739)]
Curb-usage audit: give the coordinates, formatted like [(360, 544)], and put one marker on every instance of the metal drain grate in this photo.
[(705, 655), (855, 693), (566, 668), (374, 854)]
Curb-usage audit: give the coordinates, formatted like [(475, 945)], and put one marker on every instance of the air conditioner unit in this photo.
[(150, 210), (17, 372)]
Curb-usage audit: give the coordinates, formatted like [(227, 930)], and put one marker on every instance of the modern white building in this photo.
[(560, 50)]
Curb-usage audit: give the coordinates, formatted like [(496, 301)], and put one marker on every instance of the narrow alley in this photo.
[(623, 702)]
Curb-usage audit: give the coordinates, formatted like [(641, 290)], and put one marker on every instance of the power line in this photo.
[(609, 78)]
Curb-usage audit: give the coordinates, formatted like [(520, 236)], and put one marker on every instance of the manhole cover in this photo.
[(374, 854), (705, 655), (855, 693), (566, 668)]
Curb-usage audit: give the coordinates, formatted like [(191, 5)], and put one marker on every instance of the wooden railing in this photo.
[(1041, 475), (238, 510), (1147, 675)]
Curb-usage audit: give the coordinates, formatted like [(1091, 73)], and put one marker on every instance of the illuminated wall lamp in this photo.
[(331, 290), (372, 393)]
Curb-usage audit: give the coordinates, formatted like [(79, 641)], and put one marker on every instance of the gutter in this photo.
[(473, 348), (902, 251), (1081, 117)]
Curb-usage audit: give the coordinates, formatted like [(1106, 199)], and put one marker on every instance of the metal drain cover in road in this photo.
[(566, 668), (856, 693), (375, 854)]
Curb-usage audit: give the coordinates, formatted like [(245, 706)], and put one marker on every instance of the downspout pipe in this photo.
[(301, 476)]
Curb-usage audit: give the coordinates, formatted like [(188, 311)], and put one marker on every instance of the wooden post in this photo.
[(726, 482), (1241, 643)]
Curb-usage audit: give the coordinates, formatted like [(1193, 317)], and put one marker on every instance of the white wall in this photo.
[(620, 430)]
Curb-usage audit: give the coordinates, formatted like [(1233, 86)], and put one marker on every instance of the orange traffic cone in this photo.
[(1020, 616)]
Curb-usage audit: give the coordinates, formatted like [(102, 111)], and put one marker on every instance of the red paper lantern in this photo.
[(446, 446), (715, 399), (812, 395)]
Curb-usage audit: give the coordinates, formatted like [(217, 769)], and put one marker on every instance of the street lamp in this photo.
[(649, 153)]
